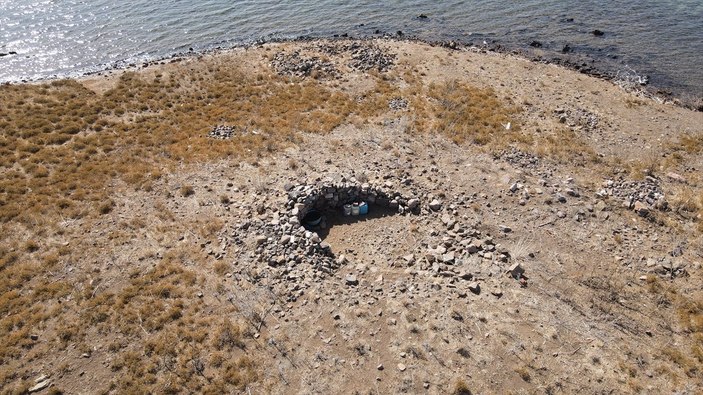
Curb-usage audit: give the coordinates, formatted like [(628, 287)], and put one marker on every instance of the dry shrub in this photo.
[(691, 143), (524, 374), (228, 335), (187, 190), (689, 309), (461, 388), (686, 200), (221, 267)]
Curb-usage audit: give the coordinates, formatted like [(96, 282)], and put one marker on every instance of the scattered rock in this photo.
[(572, 192), (516, 270), (435, 205), (448, 257), (641, 209), (222, 132), (40, 385), (398, 104), (351, 280), (297, 65), (475, 287), (598, 33), (401, 367)]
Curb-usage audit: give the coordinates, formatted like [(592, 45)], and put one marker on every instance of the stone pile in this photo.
[(368, 57), (327, 195), (462, 252), (578, 117), (289, 257), (641, 196), (520, 158), (222, 132), (398, 104), (364, 56), (296, 65)]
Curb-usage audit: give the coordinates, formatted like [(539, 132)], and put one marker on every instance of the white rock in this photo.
[(39, 386)]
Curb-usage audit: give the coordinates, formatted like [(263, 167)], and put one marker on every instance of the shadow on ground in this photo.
[(333, 218)]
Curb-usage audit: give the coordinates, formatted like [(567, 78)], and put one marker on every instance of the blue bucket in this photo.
[(363, 208)]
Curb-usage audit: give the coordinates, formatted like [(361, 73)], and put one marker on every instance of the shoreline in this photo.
[(632, 82)]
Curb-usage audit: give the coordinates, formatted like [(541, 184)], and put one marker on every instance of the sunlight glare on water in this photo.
[(663, 39)]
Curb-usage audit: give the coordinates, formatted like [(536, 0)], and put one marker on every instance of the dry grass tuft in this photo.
[(689, 310), (466, 114), (461, 388)]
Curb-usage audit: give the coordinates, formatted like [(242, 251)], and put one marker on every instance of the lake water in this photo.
[(660, 39)]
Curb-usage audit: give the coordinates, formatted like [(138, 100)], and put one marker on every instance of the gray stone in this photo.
[(435, 205), (475, 288), (661, 204), (516, 270), (505, 229), (572, 192), (448, 257), (261, 240), (641, 209), (561, 198)]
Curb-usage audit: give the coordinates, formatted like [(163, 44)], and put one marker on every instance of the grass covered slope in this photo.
[(114, 200)]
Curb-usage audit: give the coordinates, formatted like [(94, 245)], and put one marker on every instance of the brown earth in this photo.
[(127, 268)]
